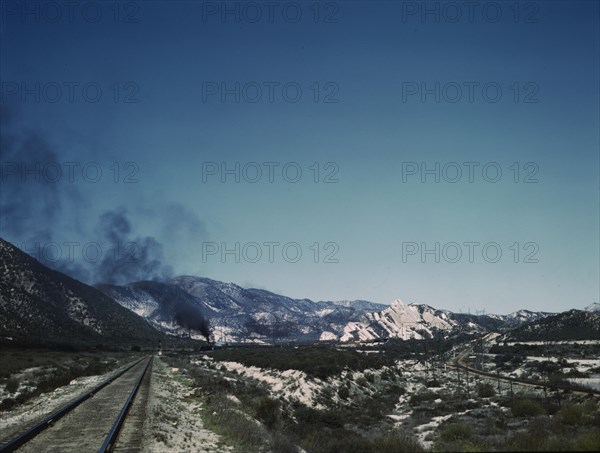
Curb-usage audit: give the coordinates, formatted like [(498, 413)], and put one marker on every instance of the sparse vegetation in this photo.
[(318, 362), (12, 384), (355, 402), (35, 374), (485, 390), (457, 432), (527, 408)]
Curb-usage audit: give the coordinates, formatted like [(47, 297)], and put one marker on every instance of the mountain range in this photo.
[(237, 314), (42, 306), (569, 325)]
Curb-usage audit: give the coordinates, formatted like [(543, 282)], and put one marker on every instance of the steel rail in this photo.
[(116, 428), (29, 434)]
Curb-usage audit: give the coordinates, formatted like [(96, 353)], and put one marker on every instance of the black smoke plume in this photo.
[(37, 211), (32, 206), (130, 258), (190, 318)]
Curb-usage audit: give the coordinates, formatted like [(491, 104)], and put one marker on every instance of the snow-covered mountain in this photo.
[(406, 321), (43, 305), (400, 320), (569, 325), (237, 314), (521, 317), (165, 306), (595, 307)]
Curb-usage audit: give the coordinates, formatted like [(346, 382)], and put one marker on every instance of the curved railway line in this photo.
[(459, 362), (93, 421)]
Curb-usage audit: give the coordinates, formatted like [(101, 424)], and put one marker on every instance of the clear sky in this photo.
[(373, 94)]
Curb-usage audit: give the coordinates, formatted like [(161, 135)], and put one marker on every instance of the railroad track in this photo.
[(91, 422), (459, 363)]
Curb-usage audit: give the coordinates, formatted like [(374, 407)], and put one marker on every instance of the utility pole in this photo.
[(545, 392), (512, 396), (426, 358)]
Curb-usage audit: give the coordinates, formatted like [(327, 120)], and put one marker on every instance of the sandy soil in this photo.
[(173, 422)]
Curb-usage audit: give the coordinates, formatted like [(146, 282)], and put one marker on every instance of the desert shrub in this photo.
[(500, 359), (307, 416), (343, 392), (546, 366), (396, 442), (517, 360), (421, 397), (267, 410), (282, 444), (571, 414), (319, 362), (327, 393), (485, 390), (389, 375), (589, 441), (12, 385), (396, 390), (222, 418), (527, 408), (335, 441), (538, 431), (361, 381), (8, 404), (557, 443), (49, 381), (457, 431)]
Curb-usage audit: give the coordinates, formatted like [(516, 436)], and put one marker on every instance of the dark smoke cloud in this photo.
[(32, 207), (133, 258), (27, 206), (191, 318), (43, 212)]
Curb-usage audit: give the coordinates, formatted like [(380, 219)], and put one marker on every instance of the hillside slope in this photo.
[(41, 306)]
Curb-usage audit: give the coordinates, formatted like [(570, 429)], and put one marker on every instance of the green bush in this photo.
[(419, 398), (361, 382), (267, 410), (457, 431), (558, 443), (527, 408), (589, 441), (221, 417), (571, 414), (12, 385), (485, 390), (395, 389), (282, 444), (335, 441), (396, 442), (307, 416), (319, 362), (343, 392)]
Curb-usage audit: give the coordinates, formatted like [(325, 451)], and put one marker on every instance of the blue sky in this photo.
[(370, 62)]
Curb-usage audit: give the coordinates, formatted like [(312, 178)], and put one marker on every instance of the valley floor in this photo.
[(324, 399)]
